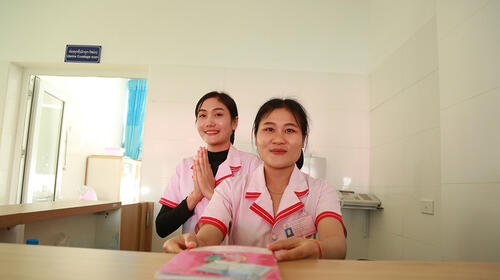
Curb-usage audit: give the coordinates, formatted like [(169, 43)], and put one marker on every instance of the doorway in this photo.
[(41, 150), (67, 119)]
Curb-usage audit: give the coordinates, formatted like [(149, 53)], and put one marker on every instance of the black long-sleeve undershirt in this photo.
[(170, 219)]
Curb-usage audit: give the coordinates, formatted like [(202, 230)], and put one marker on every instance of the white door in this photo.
[(44, 144)]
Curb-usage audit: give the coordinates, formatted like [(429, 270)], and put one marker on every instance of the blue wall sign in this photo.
[(83, 54)]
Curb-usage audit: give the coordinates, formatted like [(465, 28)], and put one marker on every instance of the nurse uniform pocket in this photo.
[(302, 226)]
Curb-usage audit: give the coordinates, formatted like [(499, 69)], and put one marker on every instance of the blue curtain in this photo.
[(135, 117)]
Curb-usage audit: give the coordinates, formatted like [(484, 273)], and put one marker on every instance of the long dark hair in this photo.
[(298, 112), (225, 99)]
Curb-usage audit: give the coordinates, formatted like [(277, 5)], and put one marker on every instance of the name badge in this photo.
[(300, 227)]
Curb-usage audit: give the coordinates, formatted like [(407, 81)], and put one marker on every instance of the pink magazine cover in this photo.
[(230, 262)]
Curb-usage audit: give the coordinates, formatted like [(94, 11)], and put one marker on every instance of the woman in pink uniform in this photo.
[(276, 205), (193, 184)]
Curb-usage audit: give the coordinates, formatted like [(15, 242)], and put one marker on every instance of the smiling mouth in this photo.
[(211, 132), (278, 151)]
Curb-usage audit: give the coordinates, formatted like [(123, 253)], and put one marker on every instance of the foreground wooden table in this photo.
[(19, 261)]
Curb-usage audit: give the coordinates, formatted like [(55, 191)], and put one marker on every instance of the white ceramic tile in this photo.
[(387, 79), (453, 13), (417, 251), (4, 188), (246, 117), (339, 128), (393, 22), (427, 48), (389, 122), (4, 66), (470, 224), (183, 83), (410, 58), (470, 137), (335, 91), (159, 160), (468, 58), (423, 227), (6, 150), (388, 165), (423, 108), (153, 183), (422, 160), (390, 219), (384, 245), (165, 154), (254, 87), (344, 162), (169, 120)]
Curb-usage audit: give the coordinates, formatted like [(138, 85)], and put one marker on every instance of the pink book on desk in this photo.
[(229, 262)]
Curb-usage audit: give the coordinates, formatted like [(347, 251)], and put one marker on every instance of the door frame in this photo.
[(68, 70), (36, 90)]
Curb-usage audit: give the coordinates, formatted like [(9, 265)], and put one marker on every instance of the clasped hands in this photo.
[(203, 178)]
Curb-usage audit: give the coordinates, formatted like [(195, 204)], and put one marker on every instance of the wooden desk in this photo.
[(19, 261), (47, 220), (17, 214)]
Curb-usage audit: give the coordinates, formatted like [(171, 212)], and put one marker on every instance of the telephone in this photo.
[(353, 200)]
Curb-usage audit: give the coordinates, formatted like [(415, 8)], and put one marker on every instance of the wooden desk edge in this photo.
[(11, 220)]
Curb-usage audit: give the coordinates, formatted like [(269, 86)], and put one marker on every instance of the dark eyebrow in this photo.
[(269, 123), (215, 109), (292, 124), (287, 124)]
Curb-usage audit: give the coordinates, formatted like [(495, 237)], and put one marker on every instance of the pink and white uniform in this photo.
[(181, 183), (242, 208)]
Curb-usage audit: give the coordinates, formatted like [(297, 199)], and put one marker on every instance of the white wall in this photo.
[(94, 112), (405, 131), (10, 87), (392, 23), (326, 36), (337, 104), (434, 127), (469, 63)]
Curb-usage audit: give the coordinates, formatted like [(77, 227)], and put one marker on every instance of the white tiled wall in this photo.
[(471, 133), (9, 106), (434, 134), (392, 23), (337, 106), (4, 66), (472, 68), (4, 190), (469, 63), (470, 221), (405, 142)]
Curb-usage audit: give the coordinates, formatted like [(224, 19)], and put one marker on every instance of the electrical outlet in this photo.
[(427, 206)]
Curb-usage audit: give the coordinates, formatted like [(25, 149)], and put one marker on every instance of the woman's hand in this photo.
[(296, 248), (180, 243), (203, 177)]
